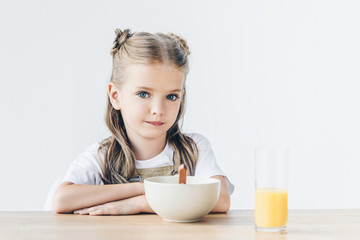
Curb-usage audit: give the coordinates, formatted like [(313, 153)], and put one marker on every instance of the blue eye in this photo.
[(172, 97), (143, 94)]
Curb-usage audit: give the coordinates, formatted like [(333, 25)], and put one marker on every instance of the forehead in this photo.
[(155, 76)]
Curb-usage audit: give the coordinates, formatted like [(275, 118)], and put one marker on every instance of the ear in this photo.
[(114, 96)]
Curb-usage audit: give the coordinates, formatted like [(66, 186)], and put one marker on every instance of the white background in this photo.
[(262, 73)]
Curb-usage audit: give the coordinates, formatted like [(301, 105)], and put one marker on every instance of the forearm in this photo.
[(145, 207), (133, 205), (223, 203), (138, 204), (70, 197)]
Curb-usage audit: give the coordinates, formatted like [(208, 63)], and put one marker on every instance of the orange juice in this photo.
[(270, 207)]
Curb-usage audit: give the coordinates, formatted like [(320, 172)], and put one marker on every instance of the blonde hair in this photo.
[(143, 48)]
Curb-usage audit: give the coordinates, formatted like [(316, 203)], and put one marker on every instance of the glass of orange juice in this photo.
[(271, 188)]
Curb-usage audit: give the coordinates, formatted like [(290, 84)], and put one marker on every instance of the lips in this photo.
[(157, 124)]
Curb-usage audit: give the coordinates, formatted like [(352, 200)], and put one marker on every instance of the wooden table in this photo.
[(236, 224)]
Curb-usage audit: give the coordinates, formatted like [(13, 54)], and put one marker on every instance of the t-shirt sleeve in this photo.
[(85, 169), (206, 165)]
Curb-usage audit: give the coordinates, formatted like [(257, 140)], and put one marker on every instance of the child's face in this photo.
[(149, 99)]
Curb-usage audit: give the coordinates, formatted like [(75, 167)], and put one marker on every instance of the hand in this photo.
[(132, 205)]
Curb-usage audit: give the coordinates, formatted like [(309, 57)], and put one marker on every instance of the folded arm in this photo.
[(70, 197), (133, 205), (115, 199)]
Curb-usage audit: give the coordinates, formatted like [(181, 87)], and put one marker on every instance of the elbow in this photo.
[(59, 204), (223, 205), (226, 207)]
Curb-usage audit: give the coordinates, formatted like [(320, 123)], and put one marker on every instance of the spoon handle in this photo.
[(182, 174)]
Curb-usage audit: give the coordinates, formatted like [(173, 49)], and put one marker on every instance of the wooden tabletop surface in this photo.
[(236, 224)]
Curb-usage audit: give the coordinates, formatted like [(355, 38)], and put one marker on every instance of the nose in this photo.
[(157, 107)]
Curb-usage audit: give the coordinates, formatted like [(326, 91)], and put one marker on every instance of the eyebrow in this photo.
[(150, 89)]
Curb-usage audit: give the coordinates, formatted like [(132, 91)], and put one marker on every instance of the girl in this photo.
[(146, 100)]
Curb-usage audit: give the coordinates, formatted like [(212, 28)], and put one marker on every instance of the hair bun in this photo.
[(120, 39), (182, 42)]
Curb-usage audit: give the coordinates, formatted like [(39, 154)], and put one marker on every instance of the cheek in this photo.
[(174, 110), (134, 110)]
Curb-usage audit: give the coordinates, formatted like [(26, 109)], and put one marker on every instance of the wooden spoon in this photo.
[(182, 174)]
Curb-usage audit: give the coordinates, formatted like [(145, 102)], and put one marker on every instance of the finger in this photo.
[(106, 209), (88, 210), (97, 212), (85, 211), (81, 211)]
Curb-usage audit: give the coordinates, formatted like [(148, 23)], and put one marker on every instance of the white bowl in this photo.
[(176, 202)]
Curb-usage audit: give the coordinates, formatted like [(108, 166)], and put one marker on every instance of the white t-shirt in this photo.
[(86, 169)]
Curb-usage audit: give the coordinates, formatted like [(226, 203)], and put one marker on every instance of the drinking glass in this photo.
[(271, 188)]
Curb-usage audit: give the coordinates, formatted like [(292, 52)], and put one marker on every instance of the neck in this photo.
[(147, 148)]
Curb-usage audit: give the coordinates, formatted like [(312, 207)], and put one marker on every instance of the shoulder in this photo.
[(206, 165), (86, 168), (200, 140), (89, 156), (94, 147), (91, 150)]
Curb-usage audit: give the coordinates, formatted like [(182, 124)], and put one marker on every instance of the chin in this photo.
[(153, 134)]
